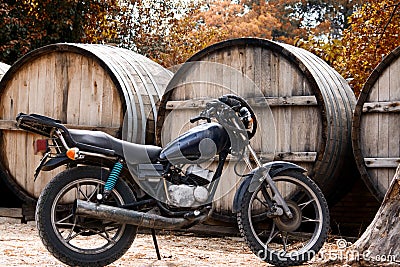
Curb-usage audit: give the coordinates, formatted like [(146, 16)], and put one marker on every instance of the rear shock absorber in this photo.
[(111, 180)]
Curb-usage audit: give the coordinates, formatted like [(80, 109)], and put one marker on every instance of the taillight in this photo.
[(40, 146)]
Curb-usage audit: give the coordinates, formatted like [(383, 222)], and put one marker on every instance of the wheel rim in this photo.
[(266, 230), (84, 235)]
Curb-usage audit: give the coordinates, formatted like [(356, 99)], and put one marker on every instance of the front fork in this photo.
[(272, 194)]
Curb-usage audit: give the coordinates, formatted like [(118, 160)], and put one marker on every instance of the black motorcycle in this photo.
[(88, 214)]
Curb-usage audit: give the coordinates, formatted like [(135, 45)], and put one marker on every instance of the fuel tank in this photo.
[(197, 145)]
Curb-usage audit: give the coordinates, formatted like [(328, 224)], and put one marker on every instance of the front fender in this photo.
[(254, 179)]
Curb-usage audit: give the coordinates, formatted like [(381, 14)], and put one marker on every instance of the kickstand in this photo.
[(153, 233)]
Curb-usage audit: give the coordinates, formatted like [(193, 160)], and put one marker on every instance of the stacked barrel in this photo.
[(86, 87), (305, 109), (376, 126)]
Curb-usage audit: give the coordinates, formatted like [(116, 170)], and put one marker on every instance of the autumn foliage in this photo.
[(352, 36), (29, 24), (373, 33)]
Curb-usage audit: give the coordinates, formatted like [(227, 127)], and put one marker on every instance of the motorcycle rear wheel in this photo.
[(282, 241), (75, 240)]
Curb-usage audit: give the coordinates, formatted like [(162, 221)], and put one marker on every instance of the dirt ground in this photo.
[(21, 246)]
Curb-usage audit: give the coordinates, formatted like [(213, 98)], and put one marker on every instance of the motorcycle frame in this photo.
[(259, 171)]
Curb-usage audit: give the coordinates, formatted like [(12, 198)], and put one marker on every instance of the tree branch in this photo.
[(387, 24)]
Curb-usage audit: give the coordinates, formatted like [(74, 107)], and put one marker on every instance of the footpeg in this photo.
[(196, 213)]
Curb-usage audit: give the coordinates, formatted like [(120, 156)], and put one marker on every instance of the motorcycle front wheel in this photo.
[(76, 240), (280, 240)]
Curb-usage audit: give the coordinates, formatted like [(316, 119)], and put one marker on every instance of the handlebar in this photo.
[(233, 103), (197, 118)]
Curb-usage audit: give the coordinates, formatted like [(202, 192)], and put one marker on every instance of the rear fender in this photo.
[(256, 177), (53, 163)]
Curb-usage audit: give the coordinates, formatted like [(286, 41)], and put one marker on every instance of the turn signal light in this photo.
[(73, 153)]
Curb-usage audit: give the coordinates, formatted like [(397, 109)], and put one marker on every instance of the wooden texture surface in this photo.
[(89, 86), (303, 106), (376, 125)]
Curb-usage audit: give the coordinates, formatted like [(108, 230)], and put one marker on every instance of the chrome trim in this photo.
[(59, 134), (91, 154)]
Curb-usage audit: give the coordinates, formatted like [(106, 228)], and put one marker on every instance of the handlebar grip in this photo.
[(193, 120)]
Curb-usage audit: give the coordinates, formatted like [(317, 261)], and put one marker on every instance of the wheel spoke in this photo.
[(300, 240), (285, 241), (72, 236), (63, 220), (305, 219), (272, 235), (100, 233), (83, 194), (262, 202), (106, 237), (64, 224), (94, 192), (110, 229), (71, 231), (264, 193), (304, 204)]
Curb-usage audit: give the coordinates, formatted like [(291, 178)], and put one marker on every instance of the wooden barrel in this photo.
[(85, 86), (3, 69), (311, 106), (376, 125)]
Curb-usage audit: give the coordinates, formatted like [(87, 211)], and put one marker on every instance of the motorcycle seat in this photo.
[(131, 152)]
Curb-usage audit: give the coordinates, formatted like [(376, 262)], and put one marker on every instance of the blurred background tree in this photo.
[(350, 35), (372, 32), (29, 24)]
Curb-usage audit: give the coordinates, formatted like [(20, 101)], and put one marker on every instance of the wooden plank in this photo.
[(383, 128), (285, 156), (61, 86), (11, 212), (369, 136), (262, 115), (382, 162), (26, 102), (294, 156), (43, 99), (86, 98), (392, 106), (74, 63), (11, 125), (394, 119), (254, 102)]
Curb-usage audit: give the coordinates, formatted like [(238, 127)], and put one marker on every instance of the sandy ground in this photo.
[(20, 246)]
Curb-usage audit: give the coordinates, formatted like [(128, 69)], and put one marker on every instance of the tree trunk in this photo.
[(380, 243)]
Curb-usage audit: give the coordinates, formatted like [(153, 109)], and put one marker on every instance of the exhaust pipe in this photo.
[(147, 220)]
